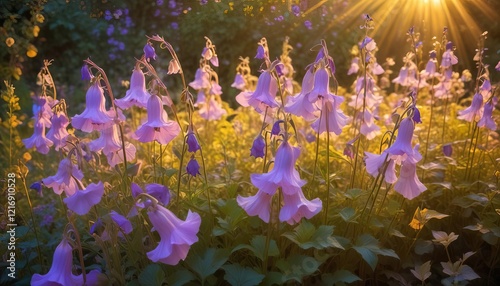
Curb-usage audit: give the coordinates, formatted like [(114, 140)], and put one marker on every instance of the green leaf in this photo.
[(296, 267), (306, 236), (368, 247), (342, 276), (209, 262), (152, 275), (348, 214), (237, 275), (180, 277), (258, 246), (423, 271), (353, 193)]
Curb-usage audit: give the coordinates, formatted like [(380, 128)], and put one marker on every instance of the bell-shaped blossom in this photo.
[(408, 183), (431, 67), (296, 206), (368, 44), (215, 88), (158, 191), (485, 87), (60, 272), (149, 52), (239, 82), (58, 133), (212, 110), (95, 116), (137, 94), (264, 94), (299, 104), (192, 142), (123, 223), (157, 127), (354, 68), (285, 176), (276, 127), (176, 235), (375, 164), (38, 139), (406, 77), (193, 168), (65, 178), (81, 201), (332, 119), (447, 150), (110, 144), (376, 68), (42, 110), (402, 145), (258, 147), (321, 88), (173, 67), (85, 72), (448, 58), (201, 79), (486, 120), (368, 127), (416, 115), (261, 52), (475, 111)]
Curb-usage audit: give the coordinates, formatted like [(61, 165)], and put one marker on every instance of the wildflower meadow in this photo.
[(250, 142)]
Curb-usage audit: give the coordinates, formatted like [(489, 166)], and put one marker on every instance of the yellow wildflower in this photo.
[(40, 18), (32, 51), (9, 42), (36, 30)]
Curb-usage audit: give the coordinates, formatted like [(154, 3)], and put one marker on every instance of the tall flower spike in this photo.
[(95, 116), (81, 201), (65, 178), (157, 127), (38, 139), (60, 272), (137, 94), (176, 236)]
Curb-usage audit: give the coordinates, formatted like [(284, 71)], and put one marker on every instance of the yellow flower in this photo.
[(27, 156), (32, 51), (40, 18), (36, 30), (9, 41)]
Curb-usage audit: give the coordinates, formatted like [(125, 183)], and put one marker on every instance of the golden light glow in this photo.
[(393, 18)]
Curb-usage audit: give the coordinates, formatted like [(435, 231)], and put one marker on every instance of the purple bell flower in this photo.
[(86, 75), (193, 168), (149, 52), (258, 146), (192, 142)]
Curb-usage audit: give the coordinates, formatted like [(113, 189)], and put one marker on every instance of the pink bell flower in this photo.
[(257, 205), (296, 207), (110, 144), (81, 201), (176, 235), (38, 139), (265, 93), (332, 118), (65, 178), (137, 94), (408, 183), (299, 104), (212, 110), (402, 145), (58, 132), (42, 109), (239, 82), (375, 165), (95, 116), (201, 80), (475, 111), (487, 119), (354, 68), (321, 86), (60, 272), (157, 127)]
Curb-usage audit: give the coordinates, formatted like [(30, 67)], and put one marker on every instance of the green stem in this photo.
[(23, 179)]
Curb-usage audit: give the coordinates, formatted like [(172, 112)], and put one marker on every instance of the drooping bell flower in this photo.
[(82, 200), (192, 167), (60, 272), (332, 119), (258, 147), (123, 223), (368, 126), (65, 178), (58, 132), (158, 191), (149, 52), (375, 164), (192, 142), (37, 186), (321, 87), (176, 235), (85, 72), (201, 79), (173, 67), (264, 94), (261, 52), (239, 82), (38, 139), (408, 183), (95, 116), (284, 176), (447, 150), (487, 119), (212, 110), (110, 144), (475, 111), (42, 110), (402, 145), (416, 115), (354, 68), (448, 58), (157, 127), (137, 94), (276, 128), (431, 67), (299, 104), (296, 206)]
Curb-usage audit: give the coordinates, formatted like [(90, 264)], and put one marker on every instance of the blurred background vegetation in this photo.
[(112, 33)]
